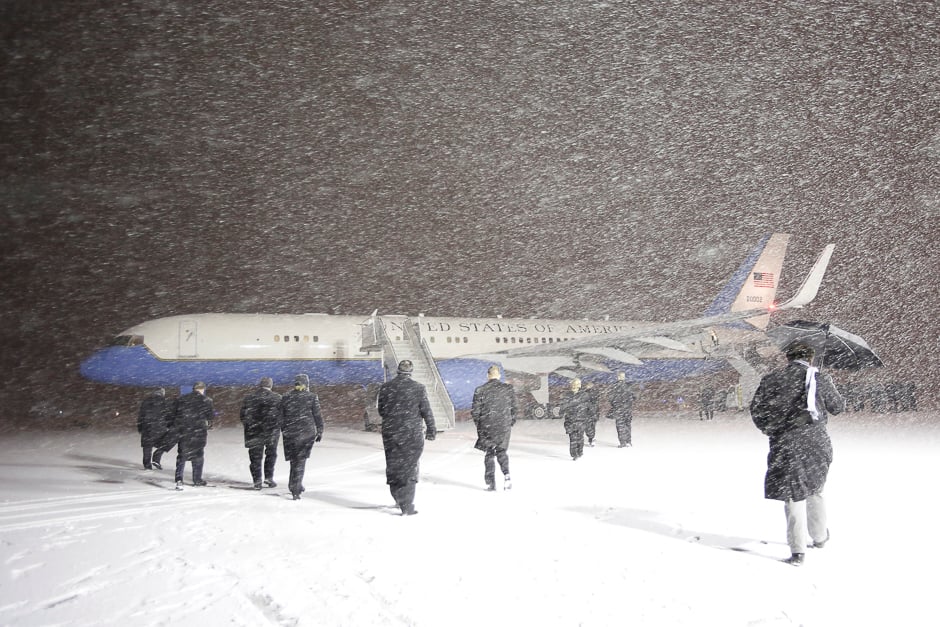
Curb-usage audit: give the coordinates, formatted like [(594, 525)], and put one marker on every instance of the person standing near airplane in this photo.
[(621, 399), (576, 411), (260, 416), (494, 413), (192, 419), (593, 400), (791, 407), (707, 399), (167, 442), (301, 425), (403, 405), (152, 420)]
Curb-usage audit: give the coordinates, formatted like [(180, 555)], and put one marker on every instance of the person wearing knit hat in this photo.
[(301, 425), (406, 423)]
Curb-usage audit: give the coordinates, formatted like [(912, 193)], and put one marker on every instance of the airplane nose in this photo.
[(90, 368)]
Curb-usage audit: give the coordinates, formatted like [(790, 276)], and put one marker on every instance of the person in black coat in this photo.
[(301, 425), (260, 415), (592, 397), (405, 411), (494, 413), (152, 418), (707, 408), (576, 410), (168, 440), (192, 419), (621, 399), (791, 407)]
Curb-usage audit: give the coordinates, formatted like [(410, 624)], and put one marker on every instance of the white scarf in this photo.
[(810, 389)]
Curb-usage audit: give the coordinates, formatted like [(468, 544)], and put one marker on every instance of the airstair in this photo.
[(398, 337)]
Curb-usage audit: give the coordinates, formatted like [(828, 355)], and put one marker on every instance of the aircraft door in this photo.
[(188, 338)]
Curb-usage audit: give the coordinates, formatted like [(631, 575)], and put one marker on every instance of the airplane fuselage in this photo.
[(239, 349)]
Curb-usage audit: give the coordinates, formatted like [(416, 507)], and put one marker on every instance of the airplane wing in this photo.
[(677, 339)]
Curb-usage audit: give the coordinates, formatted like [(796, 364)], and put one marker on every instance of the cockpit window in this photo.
[(127, 340)]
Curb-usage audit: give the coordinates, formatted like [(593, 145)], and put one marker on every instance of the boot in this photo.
[(821, 543), (796, 559)]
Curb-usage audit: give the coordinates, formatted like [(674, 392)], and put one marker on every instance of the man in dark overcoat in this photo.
[(260, 415), (791, 407), (152, 418), (192, 419), (494, 413), (621, 399), (406, 422), (576, 411), (301, 425), (592, 396), (707, 404)]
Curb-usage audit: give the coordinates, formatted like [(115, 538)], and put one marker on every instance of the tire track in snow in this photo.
[(48, 512)]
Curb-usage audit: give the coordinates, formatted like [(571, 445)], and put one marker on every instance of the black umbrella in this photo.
[(835, 347)]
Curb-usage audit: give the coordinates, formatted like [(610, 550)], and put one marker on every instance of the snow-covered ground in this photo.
[(640, 536)]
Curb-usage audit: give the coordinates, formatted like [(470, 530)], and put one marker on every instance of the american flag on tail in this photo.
[(763, 279)]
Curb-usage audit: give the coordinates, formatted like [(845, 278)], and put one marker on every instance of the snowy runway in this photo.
[(674, 531)]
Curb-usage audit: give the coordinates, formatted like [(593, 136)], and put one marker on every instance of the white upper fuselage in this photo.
[(220, 336)]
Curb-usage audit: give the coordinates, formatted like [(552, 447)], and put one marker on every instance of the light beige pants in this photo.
[(806, 522)]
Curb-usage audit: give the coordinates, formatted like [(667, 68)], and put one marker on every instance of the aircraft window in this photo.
[(127, 340), (543, 340), (450, 339), (296, 338), (287, 338), (432, 339), (306, 338), (528, 340), (513, 340), (277, 338), (497, 340), (465, 340), (316, 338)]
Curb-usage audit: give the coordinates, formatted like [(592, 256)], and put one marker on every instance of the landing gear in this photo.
[(537, 411)]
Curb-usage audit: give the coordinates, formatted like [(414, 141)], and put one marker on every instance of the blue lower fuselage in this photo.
[(137, 366)]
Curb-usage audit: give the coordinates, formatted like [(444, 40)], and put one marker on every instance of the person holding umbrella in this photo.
[(791, 407)]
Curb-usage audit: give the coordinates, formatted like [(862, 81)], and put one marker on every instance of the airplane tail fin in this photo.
[(754, 284)]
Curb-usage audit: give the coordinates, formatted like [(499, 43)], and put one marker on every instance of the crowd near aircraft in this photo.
[(451, 354)]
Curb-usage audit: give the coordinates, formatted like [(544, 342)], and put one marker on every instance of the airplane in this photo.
[(451, 354)]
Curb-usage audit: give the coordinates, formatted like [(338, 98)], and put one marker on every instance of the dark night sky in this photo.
[(530, 159)]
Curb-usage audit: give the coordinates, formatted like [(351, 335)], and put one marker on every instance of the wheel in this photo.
[(538, 412)]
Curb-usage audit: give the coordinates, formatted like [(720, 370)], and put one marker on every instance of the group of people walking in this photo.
[(581, 411), (791, 406), (407, 422), (265, 415), (183, 424)]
